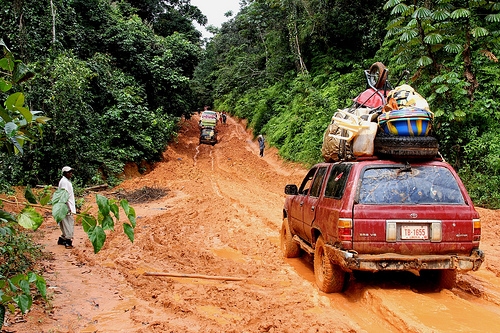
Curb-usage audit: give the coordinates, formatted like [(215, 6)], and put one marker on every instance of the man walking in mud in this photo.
[(68, 223), (261, 141)]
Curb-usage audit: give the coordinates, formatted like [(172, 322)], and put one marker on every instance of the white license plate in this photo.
[(414, 232)]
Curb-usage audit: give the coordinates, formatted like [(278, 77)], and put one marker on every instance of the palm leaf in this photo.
[(493, 17), (424, 61), (391, 3), (408, 35), (440, 15), (453, 48), (400, 9), (433, 39), (460, 13), (422, 13), (479, 32)]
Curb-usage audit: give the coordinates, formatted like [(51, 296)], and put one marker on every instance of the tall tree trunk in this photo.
[(53, 22)]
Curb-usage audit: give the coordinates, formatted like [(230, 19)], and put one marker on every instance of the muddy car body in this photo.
[(208, 135), (379, 215)]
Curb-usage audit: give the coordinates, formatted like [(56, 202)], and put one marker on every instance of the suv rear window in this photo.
[(409, 186)]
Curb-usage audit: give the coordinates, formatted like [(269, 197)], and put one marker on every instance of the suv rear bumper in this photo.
[(395, 262)]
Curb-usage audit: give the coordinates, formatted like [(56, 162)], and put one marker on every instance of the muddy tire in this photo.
[(406, 147), (329, 277), (289, 247), (447, 279), (378, 75)]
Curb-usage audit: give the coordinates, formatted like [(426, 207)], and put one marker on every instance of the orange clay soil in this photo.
[(222, 217)]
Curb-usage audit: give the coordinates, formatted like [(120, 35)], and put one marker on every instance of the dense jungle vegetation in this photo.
[(116, 76)]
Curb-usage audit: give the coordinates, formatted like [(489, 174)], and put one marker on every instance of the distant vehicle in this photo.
[(381, 215), (208, 135)]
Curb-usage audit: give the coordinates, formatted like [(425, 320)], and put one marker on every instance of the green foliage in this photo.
[(105, 220)]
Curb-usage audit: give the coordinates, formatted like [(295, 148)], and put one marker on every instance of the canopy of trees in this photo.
[(114, 77)]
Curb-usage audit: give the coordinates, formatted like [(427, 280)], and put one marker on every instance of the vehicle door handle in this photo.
[(301, 203), (312, 208)]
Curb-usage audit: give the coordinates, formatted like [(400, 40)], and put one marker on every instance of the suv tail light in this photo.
[(436, 231), (345, 230), (477, 230)]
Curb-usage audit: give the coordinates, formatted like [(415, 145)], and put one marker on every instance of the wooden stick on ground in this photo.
[(195, 276)]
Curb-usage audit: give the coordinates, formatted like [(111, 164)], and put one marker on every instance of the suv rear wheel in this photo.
[(289, 247), (329, 277)]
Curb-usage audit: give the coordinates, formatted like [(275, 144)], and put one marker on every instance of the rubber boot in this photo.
[(69, 244), (61, 241)]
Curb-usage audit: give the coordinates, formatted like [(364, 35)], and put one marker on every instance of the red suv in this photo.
[(380, 215)]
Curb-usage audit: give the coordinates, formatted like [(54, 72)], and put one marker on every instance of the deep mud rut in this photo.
[(222, 217)]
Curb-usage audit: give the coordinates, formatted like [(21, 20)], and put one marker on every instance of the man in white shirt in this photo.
[(68, 223)]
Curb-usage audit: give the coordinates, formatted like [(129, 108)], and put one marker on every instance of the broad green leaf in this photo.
[(18, 144), (41, 119), (25, 112), (440, 15), (16, 99), (459, 114), (125, 206), (59, 211), (31, 277), (424, 61), (23, 302), (10, 129), (493, 17), (7, 64), (45, 200), (479, 32), (41, 286), (131, 216), (442, 88), (21, 73), (108, 223), (25, 286), (12, 287), (129, 231), (97, 237), (103, 204), (28, 218), (5, 115), (88, 221), (6, 216), (421, 13), (460, 13), (28, 194), (5, 85), (60, 196), (115, 210), (433, 38)]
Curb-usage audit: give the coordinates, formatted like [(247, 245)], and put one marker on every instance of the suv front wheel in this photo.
[(329, 277)]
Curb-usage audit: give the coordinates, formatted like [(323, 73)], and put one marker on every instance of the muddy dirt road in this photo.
[(221, 217)]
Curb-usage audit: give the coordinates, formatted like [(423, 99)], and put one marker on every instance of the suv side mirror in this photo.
[(291, 189)]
